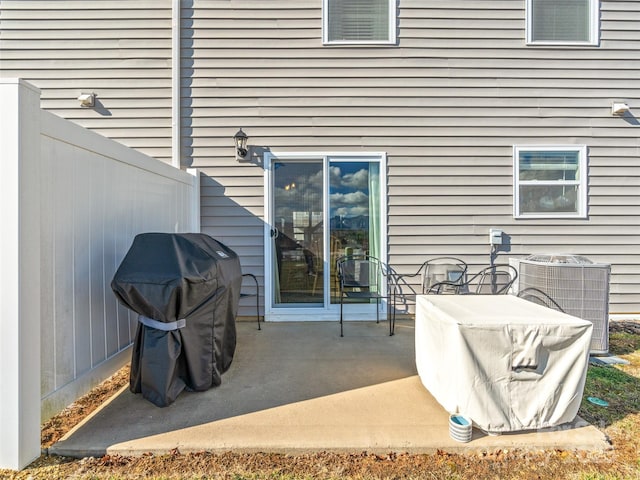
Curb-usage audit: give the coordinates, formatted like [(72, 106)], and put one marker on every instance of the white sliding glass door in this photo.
[(319, 208)]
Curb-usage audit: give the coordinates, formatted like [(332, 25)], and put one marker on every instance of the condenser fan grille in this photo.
[(581, 290)]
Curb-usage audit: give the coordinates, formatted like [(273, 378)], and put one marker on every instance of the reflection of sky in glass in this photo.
[(298, 187), (349, 193)]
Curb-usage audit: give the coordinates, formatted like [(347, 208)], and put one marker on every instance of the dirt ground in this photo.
[(622, 462)]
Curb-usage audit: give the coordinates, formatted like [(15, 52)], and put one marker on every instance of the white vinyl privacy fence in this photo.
[(71, 203)]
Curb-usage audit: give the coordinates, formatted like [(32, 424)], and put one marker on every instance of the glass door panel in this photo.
[(354, 212), (298, 233)]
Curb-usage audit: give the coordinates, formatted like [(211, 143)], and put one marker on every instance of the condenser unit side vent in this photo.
[(579, 289)]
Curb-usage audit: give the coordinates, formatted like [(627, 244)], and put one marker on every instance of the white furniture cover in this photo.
[(506, 363)]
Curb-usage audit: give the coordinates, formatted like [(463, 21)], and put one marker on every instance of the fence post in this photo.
[(19, 273), (194, 224)]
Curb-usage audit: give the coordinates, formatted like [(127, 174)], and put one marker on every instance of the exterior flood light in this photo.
[(619, 109), (240, 140), (87, 100)]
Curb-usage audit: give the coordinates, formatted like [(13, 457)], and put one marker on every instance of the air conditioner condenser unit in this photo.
[(572, 284)]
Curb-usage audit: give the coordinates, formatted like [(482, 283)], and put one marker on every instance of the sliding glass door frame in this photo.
[(326, 310)]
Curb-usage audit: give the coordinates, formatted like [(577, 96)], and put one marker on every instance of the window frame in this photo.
[(392, 38), (581, 182), (594, 27)]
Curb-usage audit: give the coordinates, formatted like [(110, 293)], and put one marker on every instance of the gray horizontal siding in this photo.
[(447, 104), (121, 50)]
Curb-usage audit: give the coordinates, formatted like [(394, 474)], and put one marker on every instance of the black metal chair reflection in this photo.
[(361, 278), (492, 280), (433, 271)]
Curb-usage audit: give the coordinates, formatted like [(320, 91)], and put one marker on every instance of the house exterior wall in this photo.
[(119, 49), (447, 104)]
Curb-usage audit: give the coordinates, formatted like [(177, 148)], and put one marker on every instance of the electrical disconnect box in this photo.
[(495, 236)]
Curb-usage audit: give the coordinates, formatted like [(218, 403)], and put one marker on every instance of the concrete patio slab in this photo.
[(299, 387)]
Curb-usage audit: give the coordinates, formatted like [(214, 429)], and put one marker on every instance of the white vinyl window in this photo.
[(562, 22), (550, 181), (359, 21)]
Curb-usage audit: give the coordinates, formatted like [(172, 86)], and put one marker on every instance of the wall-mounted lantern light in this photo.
[(87, 100), (240, 139), (619, 109)]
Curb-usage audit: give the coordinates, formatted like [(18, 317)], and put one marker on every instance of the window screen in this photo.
[(357, 21), (561, 21)]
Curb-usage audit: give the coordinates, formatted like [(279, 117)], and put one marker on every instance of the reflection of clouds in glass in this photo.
[(349, 197), (352, 211), (356, 180), (349, 204), (285, 196), (335, 176), (316, 180), (349, 190), (304, 197)]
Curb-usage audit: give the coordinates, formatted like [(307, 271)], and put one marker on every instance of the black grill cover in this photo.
[(187, 287)]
